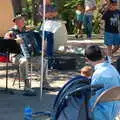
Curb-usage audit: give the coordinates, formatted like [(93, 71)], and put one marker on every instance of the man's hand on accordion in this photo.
[(19, 40)]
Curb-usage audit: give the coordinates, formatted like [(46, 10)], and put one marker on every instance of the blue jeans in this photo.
[(50, 43), (88, 25)]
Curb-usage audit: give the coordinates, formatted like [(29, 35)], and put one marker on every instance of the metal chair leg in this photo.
[(18, 73)]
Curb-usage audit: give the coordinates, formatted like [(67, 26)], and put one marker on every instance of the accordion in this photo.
[(31, 45)]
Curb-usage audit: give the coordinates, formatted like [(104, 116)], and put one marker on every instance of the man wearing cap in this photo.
[(18, 27), (13, 33)]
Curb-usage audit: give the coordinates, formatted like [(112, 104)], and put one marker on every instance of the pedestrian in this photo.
[(112, 29), (90, 6), (79, 14), (50, 16)]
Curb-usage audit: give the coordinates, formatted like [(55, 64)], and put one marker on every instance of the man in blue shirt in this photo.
[(105, 74)]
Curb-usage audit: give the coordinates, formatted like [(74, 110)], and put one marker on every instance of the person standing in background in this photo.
[(79, 14), (50, 14), (112, 33), (90, 6)]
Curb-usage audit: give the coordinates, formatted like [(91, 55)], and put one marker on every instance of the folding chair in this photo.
[(109, 95), (70, 103)]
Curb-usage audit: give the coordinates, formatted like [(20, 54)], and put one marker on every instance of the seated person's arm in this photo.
[(11, 35)]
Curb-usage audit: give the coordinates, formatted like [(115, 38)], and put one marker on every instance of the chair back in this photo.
[(109, 95)]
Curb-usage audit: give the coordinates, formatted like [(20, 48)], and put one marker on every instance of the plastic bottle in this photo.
[(28, 113)]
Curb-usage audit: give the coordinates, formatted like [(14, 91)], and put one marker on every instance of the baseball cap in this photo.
[(17, 17)]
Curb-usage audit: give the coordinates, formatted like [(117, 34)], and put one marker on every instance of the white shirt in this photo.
[(88, 5)]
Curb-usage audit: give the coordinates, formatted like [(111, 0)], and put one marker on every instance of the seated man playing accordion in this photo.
[(30, 47)]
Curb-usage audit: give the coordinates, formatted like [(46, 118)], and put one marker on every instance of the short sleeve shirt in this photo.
[(112, 21), (90, 4)]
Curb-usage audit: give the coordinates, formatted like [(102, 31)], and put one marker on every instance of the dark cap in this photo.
[(17, 17), (113, 1)]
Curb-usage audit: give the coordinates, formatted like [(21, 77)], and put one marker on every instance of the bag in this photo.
[(64, 63)]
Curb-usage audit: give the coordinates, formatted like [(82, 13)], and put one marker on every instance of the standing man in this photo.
[(106, 74), (112, 29), (90, 6), (50, 15)]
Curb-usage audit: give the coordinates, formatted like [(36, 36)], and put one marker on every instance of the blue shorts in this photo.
[(111, 38), (80, 17)]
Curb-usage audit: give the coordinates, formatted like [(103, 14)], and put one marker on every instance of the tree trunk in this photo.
[(17, 6), (35, 5)]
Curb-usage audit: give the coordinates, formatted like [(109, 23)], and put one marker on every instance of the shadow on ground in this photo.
[(12, 106)]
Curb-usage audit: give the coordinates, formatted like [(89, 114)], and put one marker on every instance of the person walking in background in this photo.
[(90, 6), (79, 14), (112, 34), (106, 74)]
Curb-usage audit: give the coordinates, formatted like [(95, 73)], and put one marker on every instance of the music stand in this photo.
[(8, 46)]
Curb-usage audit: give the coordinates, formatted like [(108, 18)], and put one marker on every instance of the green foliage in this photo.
[(97, 22), (66, 10)]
